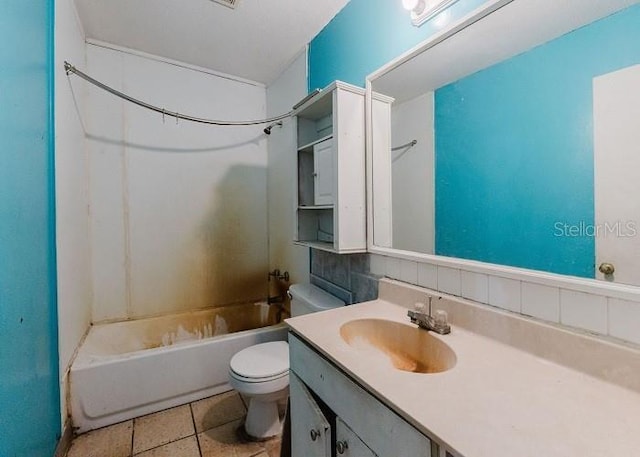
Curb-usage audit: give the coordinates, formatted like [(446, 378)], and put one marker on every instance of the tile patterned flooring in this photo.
[(207, 428)]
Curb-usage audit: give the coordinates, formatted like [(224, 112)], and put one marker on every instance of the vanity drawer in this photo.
[(383, 431)]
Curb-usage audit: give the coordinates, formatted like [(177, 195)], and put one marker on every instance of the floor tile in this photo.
[(228, 441), (186, 447), (112, 441), (245, 400), (161, 428), (215, 411), (273, 447)]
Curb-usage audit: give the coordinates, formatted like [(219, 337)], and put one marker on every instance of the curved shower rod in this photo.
[(408, 145), (70, 69)]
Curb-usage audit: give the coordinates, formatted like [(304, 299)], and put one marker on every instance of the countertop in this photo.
[(496, 401)]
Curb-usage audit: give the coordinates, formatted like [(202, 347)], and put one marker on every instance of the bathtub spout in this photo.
[(278, 303)]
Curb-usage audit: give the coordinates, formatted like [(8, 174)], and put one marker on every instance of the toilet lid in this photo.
[(262, 360)]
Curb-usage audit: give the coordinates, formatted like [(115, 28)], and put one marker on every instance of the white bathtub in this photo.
[(128, 369)]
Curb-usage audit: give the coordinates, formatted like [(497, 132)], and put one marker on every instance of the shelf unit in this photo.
[(330, 204)]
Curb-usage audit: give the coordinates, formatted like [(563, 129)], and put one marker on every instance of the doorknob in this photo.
[(606, 268), (341, 447), (315, 434)]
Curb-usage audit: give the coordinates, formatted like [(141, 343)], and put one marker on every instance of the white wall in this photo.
[(282, 94), (178, 210), (412, 176), (72, 196)]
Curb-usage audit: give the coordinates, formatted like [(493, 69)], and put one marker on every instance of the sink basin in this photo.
[(398, 345)]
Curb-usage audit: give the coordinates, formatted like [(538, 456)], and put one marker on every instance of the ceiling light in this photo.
[(415, 6), (423, 10)]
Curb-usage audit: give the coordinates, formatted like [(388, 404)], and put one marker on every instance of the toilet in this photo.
[(261, 372)]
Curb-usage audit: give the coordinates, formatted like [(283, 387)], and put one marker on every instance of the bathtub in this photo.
[(128, 369)]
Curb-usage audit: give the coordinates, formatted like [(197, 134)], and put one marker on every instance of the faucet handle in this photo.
[(441, 317), (440, 322), (420, 307)]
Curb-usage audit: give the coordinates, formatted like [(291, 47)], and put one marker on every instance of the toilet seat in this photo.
[(252, 380), (265, 388), (261, 363)]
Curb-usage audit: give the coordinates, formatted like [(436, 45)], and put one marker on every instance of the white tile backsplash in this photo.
[(504, 293), (393, 268), (449, 280), (409, 271), (540, 301), (582, 310), (428, 275), (589, 311), (475, 286), (624, 320)]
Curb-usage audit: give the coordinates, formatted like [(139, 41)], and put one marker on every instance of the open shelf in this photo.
[(315, 207), (322, 245), (330, 158), (309, 146)]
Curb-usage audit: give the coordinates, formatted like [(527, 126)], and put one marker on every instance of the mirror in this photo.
[(513, 138)]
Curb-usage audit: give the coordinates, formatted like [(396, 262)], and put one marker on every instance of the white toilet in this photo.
[(261, 372)]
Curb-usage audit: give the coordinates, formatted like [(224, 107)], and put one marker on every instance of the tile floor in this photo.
[(207, 428)]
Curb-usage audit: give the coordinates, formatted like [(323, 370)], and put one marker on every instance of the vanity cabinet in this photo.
[(309, 425), (330, 204), (326, 401), (348, 444)]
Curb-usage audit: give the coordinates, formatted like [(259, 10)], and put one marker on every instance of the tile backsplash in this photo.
[(354, 279), (347, 276), (595, 313)]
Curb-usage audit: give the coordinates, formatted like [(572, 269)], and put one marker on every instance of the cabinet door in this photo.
[(323, 172), (348, 444), (310, 430), (373, 421)]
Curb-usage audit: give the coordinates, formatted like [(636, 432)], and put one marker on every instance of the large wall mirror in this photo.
[(513, 138)]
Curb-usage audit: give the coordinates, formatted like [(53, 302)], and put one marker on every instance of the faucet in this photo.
[(276, 274), (428, 322)]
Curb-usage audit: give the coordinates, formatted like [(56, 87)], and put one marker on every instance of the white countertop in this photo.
[(496, 401)]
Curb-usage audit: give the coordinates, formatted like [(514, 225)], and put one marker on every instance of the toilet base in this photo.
[(263, 420)]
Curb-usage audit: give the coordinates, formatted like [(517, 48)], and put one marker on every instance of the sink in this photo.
[(397, 345)]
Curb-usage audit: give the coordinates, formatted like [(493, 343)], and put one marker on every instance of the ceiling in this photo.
[(256, 40)]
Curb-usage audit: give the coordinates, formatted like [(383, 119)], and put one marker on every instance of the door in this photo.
[(348, 444), (323, 172), (310, 430), (616, 112)]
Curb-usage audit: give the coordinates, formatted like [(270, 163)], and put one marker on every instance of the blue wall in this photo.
[(29, 396), (514, 151), (365, 35)]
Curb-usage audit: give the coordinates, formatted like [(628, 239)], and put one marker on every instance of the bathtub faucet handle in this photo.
[(281, 276), (275, 273)]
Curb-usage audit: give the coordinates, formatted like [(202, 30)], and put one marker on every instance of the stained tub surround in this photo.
[(518, 387), (206, 428)]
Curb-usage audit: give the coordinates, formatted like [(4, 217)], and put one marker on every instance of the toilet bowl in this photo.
[(261, 372)]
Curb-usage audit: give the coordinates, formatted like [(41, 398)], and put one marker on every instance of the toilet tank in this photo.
[(307, 298)]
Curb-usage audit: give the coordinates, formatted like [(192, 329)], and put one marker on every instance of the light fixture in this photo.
[(415, 6), (423, 10)]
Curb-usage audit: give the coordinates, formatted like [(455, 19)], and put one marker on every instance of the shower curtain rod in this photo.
[(70, 69)]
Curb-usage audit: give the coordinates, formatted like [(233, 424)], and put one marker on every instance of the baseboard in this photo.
[(65, 440)]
